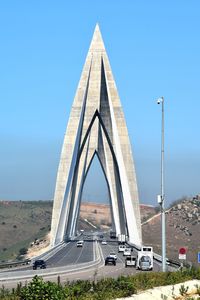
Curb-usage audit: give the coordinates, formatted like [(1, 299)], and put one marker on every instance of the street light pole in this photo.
[(162, 196)]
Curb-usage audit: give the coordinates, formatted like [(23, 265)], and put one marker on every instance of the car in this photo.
[(121, 248), (130, 261), (127, 252), (112, 254), (110, 260), (104, 242), (79, 244), (39, 263)]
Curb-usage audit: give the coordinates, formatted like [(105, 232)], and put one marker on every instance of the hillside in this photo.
[(22, 222), (182, 229), (26, 223)]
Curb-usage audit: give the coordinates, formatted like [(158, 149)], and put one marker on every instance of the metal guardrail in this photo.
[(56, 270), (15, 263), (49, 253), (28, 261)]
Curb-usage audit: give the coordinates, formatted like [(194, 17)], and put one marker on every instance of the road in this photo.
[(73, 263), (71, 254)]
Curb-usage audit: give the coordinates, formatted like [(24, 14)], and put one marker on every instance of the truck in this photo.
[(113, 234), (145, 258), (121, 238)]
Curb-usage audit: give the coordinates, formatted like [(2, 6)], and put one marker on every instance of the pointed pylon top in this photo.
[(97, 43)]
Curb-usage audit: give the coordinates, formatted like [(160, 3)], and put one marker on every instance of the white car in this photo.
[(79, 244), (127, 252), (121, 248), (104, 243), (112, 254)]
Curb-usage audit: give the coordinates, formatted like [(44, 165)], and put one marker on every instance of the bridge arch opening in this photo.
[(95, 209)]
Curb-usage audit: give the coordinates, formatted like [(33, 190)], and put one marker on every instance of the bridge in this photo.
[(70, 262), (96, 127)]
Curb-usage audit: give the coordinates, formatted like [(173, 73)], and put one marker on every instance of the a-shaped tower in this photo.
[(96, 127)]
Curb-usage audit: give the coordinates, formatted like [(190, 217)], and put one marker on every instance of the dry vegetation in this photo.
[(26, 222), (21, 223), (182, 230)]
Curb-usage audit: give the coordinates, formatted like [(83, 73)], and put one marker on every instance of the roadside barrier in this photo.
[(56, 270)]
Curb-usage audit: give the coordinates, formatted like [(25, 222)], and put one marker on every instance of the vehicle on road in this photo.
[(112, 254), (121, 248), (110, 260), (113, 235), (121, 238), (130, 261), (145, 263), (79, 244), (127, 252), (39, 263), (104, 242), (145, 258)]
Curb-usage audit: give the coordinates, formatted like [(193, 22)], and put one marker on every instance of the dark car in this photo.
[(40, 263), (110, 260)]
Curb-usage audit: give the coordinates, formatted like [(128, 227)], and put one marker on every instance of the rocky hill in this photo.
[(182, 229)]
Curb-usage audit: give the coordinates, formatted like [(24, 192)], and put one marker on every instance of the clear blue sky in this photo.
[(154, 50)]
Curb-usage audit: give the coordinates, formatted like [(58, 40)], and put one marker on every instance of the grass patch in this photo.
[(108, 288), (21, 222)]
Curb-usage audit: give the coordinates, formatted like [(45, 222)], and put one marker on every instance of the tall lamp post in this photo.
[(161, 198)]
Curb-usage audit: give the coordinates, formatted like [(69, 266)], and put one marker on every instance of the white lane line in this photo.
[(80, 253), (67, 253), (117, 255)]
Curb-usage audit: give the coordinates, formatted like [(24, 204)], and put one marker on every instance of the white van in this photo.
[(121, 248), (130, 261)]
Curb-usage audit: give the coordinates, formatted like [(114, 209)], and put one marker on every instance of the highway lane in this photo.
[(112, 246), (72, 254)]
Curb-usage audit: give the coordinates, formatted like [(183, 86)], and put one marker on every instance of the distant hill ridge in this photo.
[(22, 222)]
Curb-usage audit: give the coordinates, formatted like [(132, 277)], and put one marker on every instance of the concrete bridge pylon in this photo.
[(96, 126)]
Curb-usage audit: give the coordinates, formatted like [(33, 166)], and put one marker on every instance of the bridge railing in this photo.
[(15, 263)]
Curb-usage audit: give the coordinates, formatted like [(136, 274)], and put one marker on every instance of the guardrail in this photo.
[(15, 264), (28, 261), (15, 275), (49, 253)]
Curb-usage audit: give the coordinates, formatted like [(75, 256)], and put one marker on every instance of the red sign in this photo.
[(182, 251)]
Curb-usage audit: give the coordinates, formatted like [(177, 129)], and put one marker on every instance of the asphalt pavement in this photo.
[(71, 254), (71, 257)]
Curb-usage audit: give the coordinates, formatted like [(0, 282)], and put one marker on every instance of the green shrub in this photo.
[(37, 289), (23, 251), (107, 288), (183, 290)]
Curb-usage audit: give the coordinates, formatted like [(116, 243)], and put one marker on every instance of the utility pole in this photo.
[(161, 198)]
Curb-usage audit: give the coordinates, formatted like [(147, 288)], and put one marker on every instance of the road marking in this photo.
[(80, 253), (67, 253)]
